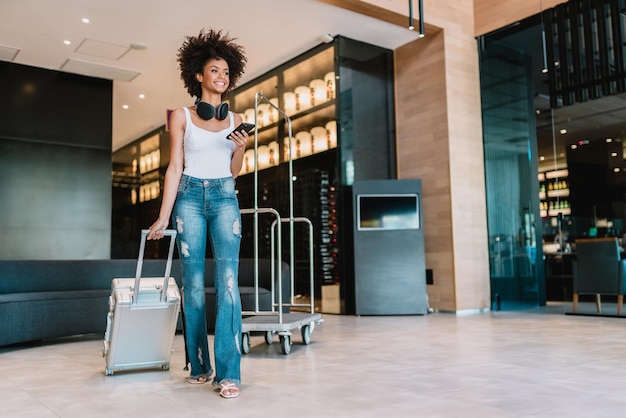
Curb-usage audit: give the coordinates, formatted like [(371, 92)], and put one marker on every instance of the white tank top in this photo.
[(207, 154)]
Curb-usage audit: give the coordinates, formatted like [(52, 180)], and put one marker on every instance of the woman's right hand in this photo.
[(156, 230)]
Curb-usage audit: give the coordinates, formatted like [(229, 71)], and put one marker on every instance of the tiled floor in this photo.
[(533, 363)]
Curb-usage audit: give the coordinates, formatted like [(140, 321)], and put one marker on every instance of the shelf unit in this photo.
[(306, 93), (554, 192), (138, 170), (339, 98)]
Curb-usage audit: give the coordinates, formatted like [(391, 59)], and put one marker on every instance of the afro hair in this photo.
[(197, 50)]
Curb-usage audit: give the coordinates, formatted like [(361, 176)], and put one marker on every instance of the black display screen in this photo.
[(388, 211)]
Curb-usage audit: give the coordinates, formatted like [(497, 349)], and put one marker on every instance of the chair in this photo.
[(599, 270)]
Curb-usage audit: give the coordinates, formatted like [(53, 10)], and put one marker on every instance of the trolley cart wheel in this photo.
[(165, 367), (269, 337), (306, 334), (108, 372), (245, 343), (285, 344)]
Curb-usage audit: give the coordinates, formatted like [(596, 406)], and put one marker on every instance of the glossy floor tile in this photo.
[(531, 363)]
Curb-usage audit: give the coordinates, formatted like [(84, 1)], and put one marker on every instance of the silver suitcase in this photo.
[(142, 318)]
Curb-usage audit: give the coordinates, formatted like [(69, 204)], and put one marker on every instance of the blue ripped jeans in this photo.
[(210, 206)]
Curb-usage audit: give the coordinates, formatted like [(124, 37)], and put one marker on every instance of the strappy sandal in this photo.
[(229, 390), (197, 380)]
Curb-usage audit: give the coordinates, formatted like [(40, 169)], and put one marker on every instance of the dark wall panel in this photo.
[(55, 164), (46, 105)]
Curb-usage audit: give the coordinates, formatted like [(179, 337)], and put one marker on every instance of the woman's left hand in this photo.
[(240, 138)]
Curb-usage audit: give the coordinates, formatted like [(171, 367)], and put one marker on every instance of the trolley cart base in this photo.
[(271, 325)]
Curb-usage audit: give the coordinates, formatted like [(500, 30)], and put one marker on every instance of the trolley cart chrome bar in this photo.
[(257, 98), (269, 321), (292, 302), (273, 270), (168, 266)]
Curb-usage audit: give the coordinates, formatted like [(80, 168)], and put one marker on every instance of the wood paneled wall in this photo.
[(447, 155), (490, 15), (424, 152), (439, 135)]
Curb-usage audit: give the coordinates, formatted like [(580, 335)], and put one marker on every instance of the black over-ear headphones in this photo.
[(207, 111)]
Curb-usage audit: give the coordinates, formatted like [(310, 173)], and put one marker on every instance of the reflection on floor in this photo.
[(525, 363)]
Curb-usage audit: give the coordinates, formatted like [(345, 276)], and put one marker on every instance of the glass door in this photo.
[(510, 148), (554, 112)]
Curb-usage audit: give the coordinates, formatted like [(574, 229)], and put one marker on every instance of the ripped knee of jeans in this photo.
[(179, 225), (184, 249), (237, 227)]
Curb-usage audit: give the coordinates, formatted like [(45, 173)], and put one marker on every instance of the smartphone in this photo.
[(248, 127)]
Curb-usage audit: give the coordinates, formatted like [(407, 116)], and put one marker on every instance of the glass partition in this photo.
[(554, 121), (516, 268)]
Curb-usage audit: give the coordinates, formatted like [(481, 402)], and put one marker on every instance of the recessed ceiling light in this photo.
[(542, 158), (574, 146), (613, 154), (138, 45), (125, 106), (8, 53), (85, 20), (66, 42), (142, 96), (563, 131)]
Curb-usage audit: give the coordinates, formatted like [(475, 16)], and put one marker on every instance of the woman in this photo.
[(199, 195)]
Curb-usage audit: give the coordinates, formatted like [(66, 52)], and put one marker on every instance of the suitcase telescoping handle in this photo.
[(168, 266)]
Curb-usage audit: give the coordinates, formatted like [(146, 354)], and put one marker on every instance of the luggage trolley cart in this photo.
[(276, 321)]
